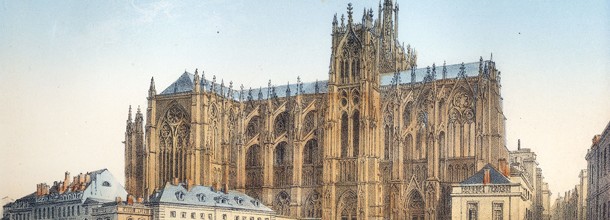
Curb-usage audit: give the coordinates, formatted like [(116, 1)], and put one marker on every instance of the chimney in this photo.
[(87, 178), (118, 199), (67, 178), (518, 144), (487, 177), (189, 184), (60, 187), (130, 199), (225, 188), (504, 168), (140, 200), (176, 182)]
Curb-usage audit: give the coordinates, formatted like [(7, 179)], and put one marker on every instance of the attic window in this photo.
[(201, 197), (180, 195), (255, 202), (106, 183), (239, 200)]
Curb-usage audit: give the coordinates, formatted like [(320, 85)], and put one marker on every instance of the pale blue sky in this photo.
[(69, 69)]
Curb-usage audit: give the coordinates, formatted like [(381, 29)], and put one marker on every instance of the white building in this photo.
[(490, 194), (67, 200), (185, 201)]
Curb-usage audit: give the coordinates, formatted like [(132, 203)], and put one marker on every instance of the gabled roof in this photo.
[(205, 196), (495, 177)]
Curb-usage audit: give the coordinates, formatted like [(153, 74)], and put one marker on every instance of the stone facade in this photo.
[(525, 158), (379, 139), (598, 187), (122, 210), (67, 200)]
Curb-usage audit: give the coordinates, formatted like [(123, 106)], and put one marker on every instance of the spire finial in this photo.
[(152, 84), (129, 114), (462, 72), (444, 69), (433, 71), (349, 13), (335, 22)]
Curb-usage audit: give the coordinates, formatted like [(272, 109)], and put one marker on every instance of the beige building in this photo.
[(525, 159), (380, 138), (492, 194), (122, 210), (598, 187), (546, 202)]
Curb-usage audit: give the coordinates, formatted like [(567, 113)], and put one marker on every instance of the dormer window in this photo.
[(180, 195), (255, 202), (106, 183), (201, 197), (239, 200)]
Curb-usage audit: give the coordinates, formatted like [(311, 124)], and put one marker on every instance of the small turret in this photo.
[(129, 120), (196, 82), (139, 120), (151, 90), (335, 23)]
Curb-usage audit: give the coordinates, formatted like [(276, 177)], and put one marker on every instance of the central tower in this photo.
[(360, 52)]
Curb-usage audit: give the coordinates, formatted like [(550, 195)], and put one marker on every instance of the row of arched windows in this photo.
[(283, 165), (349, 68)]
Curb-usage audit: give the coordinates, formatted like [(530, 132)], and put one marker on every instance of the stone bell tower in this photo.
[(351, 168)]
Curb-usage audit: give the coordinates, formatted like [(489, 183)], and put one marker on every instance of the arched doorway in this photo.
[(415, 206)]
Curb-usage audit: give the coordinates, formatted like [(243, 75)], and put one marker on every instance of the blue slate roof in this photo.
[(495, 177), (470, 69), (184, 83), (205, 196)]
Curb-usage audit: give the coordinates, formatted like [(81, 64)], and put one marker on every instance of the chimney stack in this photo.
[(67, 178), (189, 184), (130, 199), (487, 177), (176, 182), (504, 167), (140, 200)]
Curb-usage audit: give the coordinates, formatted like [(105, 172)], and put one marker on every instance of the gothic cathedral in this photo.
[(380, 139)]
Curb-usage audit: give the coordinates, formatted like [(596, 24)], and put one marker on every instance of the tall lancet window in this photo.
[(355, 69), (344, 135), (356, 132)]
